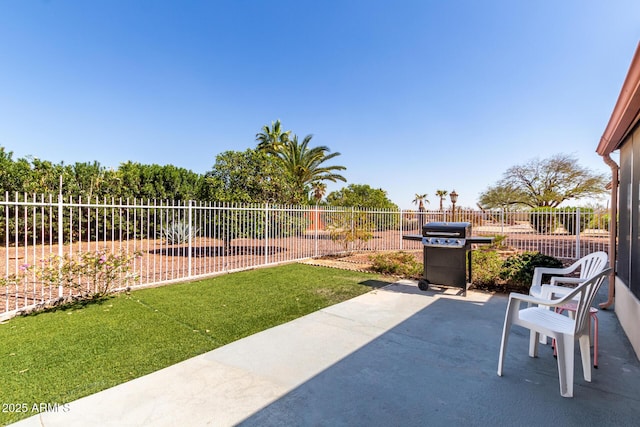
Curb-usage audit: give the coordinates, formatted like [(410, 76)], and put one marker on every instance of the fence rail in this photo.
[(187, 240)]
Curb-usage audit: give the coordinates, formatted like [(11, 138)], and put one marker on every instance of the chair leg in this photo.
[(565, 346), (595, 340), (534, 339), (585, 354), (503, 344)]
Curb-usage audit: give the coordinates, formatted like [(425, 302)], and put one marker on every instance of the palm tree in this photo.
[(272, 139), (319, 189), (304, 164), (442, 194), (420, 198)]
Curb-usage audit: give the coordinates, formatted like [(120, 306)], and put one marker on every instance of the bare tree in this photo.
[(544, 183)]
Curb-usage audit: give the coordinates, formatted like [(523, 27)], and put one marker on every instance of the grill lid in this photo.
[(453, 230)]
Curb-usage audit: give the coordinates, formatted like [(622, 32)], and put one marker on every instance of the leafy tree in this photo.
[(442, 194), (272, 139), (503, 196), (157, 182), (304, 165), (13, 173), (544, 183), (249, 176), (419, 200), (361, 195)]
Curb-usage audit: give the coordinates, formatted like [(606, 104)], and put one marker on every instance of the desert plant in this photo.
[(517, 270), (178, 232), (397, 263)]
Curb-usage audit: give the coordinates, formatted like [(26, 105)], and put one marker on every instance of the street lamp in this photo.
[(454, 199)]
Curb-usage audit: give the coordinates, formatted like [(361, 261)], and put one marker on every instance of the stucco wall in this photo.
[(627, 308)]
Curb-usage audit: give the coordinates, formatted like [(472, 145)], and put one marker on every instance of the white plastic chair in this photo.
[(540, 320), (589, 266)]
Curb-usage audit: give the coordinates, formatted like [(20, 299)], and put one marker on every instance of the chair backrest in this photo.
[(586, 292), (592, 264)]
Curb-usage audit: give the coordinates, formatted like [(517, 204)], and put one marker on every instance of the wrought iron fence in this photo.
[(186, 240)]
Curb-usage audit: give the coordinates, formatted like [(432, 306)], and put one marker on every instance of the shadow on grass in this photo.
[(72, 303), (376, 284)]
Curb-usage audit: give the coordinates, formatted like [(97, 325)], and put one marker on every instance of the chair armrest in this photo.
[(539, 271), (568, 280), (551, 291), (536, 300)]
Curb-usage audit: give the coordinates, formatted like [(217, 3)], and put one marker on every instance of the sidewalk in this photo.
[(394, 356)]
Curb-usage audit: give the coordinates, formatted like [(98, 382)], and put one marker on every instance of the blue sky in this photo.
[(417, 96)]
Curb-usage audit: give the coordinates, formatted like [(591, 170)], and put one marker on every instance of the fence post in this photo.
[(577, 227), (353, 226), (266, 233), (190, 244), (60, 239), (316, 224), (401, 230), (502, 220)]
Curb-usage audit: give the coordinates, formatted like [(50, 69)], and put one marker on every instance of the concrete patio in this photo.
[(394, 356)]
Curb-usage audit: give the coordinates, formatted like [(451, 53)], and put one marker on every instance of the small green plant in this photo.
[(178, 232), (397, 263), (499, 241), (353, 231), (517, 270), (487, 265)]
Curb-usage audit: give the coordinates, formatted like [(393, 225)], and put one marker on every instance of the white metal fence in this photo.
[(185, 240)]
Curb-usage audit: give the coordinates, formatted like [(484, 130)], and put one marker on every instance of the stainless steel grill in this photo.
[(447, 253)]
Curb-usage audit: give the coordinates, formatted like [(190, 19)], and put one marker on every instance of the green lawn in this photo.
[(60, 356)]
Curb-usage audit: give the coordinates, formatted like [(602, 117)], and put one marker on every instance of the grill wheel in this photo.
[(423, 285)]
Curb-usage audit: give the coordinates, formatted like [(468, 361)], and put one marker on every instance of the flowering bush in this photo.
[(95, 273), (16, 278)]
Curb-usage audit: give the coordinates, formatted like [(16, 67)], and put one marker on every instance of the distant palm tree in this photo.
[(272, 139), (319, 190), (420, 199), (442, 194), (304, 164)]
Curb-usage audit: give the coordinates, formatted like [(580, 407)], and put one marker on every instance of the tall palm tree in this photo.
[(319, 189), (442, 194), (305, 165), (272, 139), (420, 199)]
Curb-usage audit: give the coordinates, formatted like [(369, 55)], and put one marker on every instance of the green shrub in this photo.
[(544, 220), (397, 263), (486, 265), (517, 270), (568, 219), (600, 221)]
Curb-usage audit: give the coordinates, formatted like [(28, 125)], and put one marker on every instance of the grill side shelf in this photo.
[(417, 237)]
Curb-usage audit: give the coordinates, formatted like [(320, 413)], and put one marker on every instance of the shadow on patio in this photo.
[(438, 367)]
